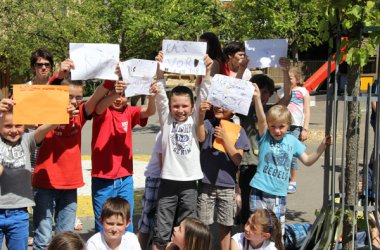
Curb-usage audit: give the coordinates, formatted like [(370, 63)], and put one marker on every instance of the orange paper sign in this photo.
[(233, 131), (40, 104)]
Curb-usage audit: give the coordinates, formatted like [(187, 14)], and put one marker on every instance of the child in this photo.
[(276, 147), (58, 171), (149, 199), (262, 231), (111, 146), (67, 241), (191, 234), (115, 217), (299, 106), (16, 195), (180, 152), (219, 169)]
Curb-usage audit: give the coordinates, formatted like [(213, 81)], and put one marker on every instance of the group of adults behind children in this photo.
[(185, 178)]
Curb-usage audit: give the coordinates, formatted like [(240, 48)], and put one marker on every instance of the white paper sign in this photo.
[(184, 57), (231, 93), (265, 53), (94, 60), (138, 74)]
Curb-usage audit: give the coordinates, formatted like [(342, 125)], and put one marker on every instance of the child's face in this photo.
[(221, 113), (255, 234), (75, 94), (293, 79), (178, 236), (180, 107), (114, 227), (277, 129), (119, 103), (9, 131)]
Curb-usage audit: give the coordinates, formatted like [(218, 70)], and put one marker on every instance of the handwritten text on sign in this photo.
[(40, 104), (184, 57), (231, 93), (138, 74), (94, 60)]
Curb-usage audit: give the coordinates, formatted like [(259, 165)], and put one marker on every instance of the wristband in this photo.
[(108, 84)]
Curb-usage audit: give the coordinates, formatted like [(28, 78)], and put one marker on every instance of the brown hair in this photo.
[(116, 206), (279, 113), (182, 91), (270, 224), (67, 241), (197, 235), (297, 72)]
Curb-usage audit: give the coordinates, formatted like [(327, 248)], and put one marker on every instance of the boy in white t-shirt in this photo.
[(115, 217)]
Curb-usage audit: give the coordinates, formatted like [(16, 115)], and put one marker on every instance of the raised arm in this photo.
[(162, 102), (151, 108), (243, 64), (310, 159), (260, 114), (285, 64), (102, 103), (201, 131)]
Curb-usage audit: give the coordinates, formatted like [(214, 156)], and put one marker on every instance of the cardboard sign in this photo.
[(265, 53), (233, 134), (231, 93), (94, 61), (138, 74), (40, 104), (184, 57)]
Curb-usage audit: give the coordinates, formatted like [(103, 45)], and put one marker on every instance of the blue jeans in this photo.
[(60, 203), (14, 225), (102, 189)]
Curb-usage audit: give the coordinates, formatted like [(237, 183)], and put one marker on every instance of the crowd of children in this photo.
[(187, 179)]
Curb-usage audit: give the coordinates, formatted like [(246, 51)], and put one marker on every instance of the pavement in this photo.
[(301, 206)]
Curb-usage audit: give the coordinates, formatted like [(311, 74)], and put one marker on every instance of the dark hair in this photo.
[(263, 82), (116, 206), (71, 82), (214, 48), (41, 53), (233, 47), (67, 241), (181, 90)]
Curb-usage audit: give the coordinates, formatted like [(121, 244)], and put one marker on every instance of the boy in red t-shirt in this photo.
[(58, 171), (112, 164)]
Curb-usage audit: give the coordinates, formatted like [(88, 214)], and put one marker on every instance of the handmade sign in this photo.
[(138, 74), (184, 57), (233, 134), (231, 93), (94, 60), (265, 53), (40, 104)]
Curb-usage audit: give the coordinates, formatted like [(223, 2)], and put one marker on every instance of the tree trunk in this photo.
[(351, 155)]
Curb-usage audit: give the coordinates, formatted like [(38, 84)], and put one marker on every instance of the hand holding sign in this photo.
[(184, 57)]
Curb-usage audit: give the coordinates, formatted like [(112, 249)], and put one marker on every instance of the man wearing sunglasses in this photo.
[(41, 62)]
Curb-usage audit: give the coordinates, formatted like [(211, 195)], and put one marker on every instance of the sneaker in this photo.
[(292, 188)]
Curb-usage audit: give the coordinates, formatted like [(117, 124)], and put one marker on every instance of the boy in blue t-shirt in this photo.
[(219, 170), (276, 149)]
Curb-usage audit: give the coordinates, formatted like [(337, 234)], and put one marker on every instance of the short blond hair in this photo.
[(279, 113), (298, 74)]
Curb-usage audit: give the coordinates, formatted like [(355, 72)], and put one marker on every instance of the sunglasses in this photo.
[(40, 65)]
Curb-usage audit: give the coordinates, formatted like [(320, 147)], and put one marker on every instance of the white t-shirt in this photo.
[(129, 241), (239, 239)]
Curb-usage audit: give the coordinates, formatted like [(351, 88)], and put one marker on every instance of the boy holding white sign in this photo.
[(219, 168), (177, 194)]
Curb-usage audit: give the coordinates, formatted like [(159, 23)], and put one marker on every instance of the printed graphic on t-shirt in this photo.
[(277, 161), (12, 157), (125, 126), (180, 137)]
